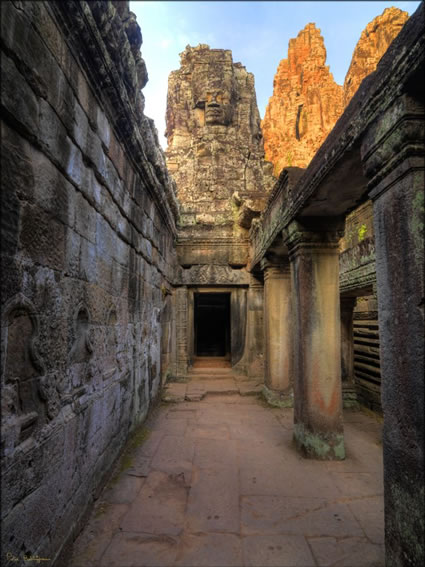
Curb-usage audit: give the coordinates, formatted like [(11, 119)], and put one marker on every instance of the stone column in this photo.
[(318, 425), (181, 332), (392, 153), (255, 341), (278, 351), (349, 397)]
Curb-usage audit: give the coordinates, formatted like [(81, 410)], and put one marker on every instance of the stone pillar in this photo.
[(318, 425), (392, 153), (255, 342), (278, 351), (181, 332)]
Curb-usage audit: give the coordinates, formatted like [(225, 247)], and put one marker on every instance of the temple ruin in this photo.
[(124, 267)]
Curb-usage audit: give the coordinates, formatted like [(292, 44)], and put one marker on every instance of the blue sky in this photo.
[(257, 33)]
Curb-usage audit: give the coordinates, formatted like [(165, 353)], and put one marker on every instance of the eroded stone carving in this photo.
[(23, 409), (305, 105), (82, 346), (211, 274), (214, 137), (373, 43), (306, 101)]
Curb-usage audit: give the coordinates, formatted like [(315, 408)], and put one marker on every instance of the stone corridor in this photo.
[(123, 264), (217, 482)]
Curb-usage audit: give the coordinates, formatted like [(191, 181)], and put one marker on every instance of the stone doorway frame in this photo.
[(235, 292), (195, 345)]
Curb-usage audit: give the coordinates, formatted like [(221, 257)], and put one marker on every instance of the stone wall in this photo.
[(88, 229)]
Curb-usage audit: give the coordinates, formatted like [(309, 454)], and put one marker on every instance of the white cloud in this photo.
[(166, 42)]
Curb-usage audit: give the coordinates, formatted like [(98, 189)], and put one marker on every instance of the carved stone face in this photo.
[(216, 105)]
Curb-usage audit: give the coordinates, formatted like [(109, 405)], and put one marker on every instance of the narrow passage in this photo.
[(217, 482)]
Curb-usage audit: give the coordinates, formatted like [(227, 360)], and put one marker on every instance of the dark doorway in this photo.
[(212, 324)]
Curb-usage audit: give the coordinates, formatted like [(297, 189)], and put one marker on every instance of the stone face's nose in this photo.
[(213, 99)]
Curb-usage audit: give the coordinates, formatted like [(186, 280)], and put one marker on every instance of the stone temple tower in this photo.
[(216, 156)]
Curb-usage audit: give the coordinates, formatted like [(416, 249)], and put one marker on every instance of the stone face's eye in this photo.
[(200, 104)]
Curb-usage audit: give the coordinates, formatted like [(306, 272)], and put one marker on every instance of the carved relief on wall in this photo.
[(79, 369), (23, 409), (82, 347), (210, 274), (111, 345)]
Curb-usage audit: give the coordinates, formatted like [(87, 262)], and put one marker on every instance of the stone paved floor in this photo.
[(219, 483)]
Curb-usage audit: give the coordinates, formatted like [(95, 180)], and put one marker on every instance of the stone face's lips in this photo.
[(214, 114)]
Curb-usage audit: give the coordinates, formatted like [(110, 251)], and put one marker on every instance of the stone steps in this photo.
[(210, 369), (209, 375), (196, 390)]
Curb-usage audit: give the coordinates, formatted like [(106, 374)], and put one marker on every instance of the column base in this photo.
[(278, 399), (320, 446)]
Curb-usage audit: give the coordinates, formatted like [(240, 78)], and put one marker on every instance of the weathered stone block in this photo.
[(26, 106), (42, 237)]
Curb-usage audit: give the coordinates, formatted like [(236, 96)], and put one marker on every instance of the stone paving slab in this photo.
[(307, 516), (277, 551), (159, 508), (213, 504), (219, 483), (214, 453), (210, 550), (346, 552), (140, 550)]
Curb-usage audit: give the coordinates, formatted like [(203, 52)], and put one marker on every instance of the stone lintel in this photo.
[(215, 275), (219, 251)]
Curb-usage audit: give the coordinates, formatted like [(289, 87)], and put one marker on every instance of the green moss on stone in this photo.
[(328, 446), (139, 436), (361, 232), (276, 399)]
